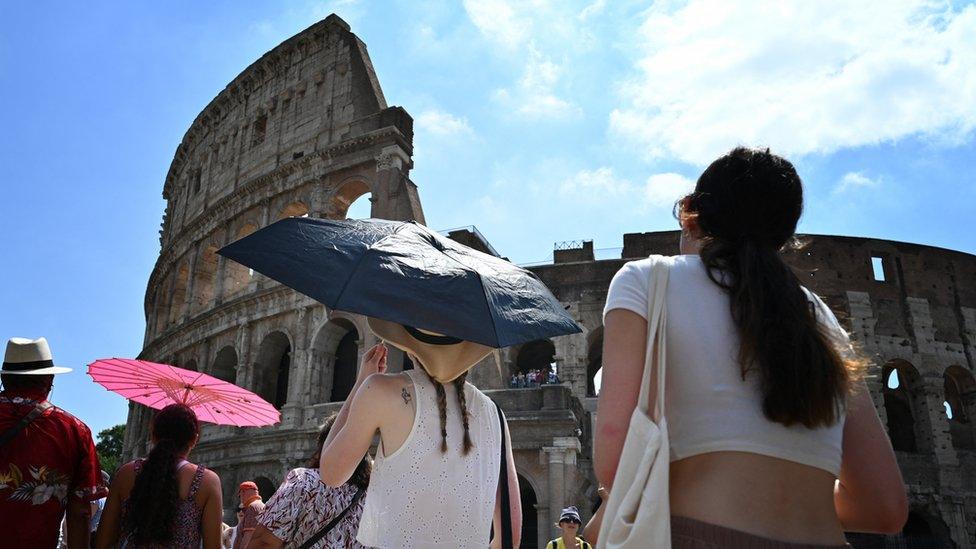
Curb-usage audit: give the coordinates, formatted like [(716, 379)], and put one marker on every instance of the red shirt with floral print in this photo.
[(51, 460)]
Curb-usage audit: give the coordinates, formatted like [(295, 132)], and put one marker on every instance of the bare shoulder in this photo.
[(210, 477), (387, 384)]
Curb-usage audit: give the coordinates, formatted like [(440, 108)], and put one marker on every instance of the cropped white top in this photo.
[(421, 498), (709, 407)]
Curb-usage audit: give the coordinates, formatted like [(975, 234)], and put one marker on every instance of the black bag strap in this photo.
[(10, 433), (506, 533), (332, 523)]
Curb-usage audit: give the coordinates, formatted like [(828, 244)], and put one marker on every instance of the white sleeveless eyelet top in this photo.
[(419, 497), (708, 406)]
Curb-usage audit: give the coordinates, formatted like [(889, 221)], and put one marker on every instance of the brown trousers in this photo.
[(688, 533)]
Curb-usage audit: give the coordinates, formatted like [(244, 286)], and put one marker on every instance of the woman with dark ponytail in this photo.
[(164, 500), (774, 439)]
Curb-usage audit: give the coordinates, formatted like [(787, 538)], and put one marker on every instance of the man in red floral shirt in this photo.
[(47, 457)]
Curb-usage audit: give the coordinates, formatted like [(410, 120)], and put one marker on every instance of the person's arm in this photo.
[(342, 454), (110, 524), (78, 515), (263, 539), (592, 529), (870, 494), (374, 361), (515, 502), (213, 509), (624, 345)]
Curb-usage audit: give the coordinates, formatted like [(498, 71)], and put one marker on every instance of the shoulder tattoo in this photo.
[(405, 395)]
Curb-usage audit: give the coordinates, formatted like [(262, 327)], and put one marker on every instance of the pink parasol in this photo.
[(159, 385)]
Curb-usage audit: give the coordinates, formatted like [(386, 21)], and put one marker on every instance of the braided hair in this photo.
[(442, 409)]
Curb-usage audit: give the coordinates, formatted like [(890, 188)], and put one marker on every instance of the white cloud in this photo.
[(442, 124), (596, 8), (803, 77), (538, 35), (598, 183), (855, 180), (664, 189), (499, 20), (534, 94)]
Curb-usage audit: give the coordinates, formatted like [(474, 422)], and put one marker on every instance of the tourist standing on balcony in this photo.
[(304, 512), (772, 435), (436, 481), (164, 500), (48, 462)]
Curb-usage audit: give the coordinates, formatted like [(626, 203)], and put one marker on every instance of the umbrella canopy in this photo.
[(159, 385), (405, 273)]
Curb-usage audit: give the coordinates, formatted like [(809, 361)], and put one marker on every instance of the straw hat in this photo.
[(30, 357), (444, 358)]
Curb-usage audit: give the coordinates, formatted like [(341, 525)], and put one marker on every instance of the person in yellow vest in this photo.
[(569, 523)]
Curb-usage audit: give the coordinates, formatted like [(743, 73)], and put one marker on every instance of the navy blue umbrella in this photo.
[(405, 273)]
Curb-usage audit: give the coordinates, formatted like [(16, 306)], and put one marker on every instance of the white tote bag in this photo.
[(638, 512)]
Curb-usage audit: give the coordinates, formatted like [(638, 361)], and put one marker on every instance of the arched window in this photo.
[(265, 487), (536, 355), (899, 379), (225, 365), (594, 363), (960, 400), (335, 353), (178, 297), (342, 201), (204, 280), (530, 515), (295, 209), (272, 369), (237, 277)]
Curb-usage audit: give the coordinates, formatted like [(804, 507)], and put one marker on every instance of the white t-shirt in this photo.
[(709, 407)]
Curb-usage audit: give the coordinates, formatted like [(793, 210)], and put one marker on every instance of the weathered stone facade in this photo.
[(305, 130)]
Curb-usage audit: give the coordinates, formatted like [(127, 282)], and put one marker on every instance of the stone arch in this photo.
[(336, 349), (530, 515), (272, 369), (266, 487), (535, 355), (594, 361), (903, 402), (225, 364), (347, 193), (925, 530), (960, 401), (161, 315), (178, 296), (237, 277), (204, 280), (294, 209)]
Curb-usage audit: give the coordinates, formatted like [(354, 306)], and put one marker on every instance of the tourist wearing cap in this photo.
[(569, 524), (252, 505), (48, 462)]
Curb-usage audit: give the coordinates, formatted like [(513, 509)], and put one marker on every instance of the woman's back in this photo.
[(722, 445), (188, 517), (436, 499)]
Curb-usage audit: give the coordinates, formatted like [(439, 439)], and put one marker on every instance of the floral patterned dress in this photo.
[(188, 527), (303, 505)]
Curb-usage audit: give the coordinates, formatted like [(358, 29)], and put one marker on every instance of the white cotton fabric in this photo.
[(421, 498), (708, 406)]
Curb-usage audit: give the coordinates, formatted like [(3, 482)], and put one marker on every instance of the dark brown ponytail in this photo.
[(155, 494), (746, 206)]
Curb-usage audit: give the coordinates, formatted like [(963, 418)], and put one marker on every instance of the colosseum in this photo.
[(306, 131)]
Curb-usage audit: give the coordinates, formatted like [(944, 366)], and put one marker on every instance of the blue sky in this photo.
[(536, 120)]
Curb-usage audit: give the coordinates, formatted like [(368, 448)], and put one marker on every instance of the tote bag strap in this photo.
[(656, 322)]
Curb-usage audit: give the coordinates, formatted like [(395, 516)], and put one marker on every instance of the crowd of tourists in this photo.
[(533, 378), (771, 439)]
